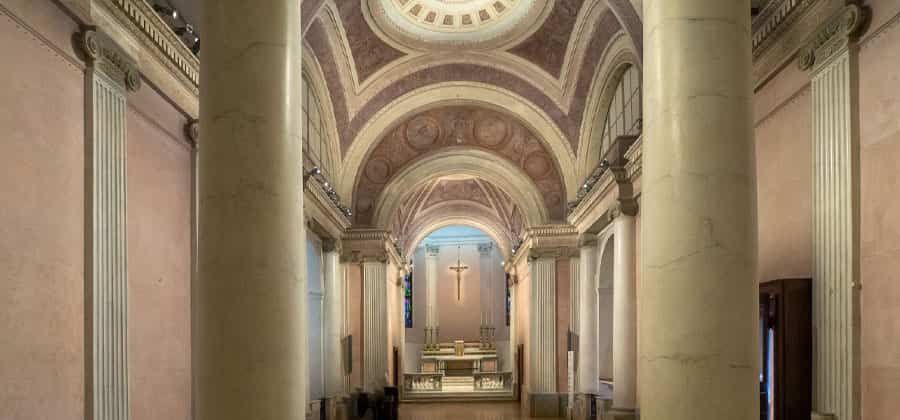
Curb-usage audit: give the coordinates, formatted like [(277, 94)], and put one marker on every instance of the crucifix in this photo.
[(459, 268)]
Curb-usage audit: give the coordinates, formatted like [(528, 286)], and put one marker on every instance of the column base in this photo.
[(589, 406), (620, 414), (821, 416), (546, 404)]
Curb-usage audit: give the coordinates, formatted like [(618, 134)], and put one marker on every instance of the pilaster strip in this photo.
[(832, 58), (109, 76), (543, 325), (375, 337)]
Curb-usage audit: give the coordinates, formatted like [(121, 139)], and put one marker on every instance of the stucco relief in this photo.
[(370, 53), (458, 126)]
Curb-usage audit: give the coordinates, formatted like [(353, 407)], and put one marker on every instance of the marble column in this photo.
[(334, 319), (542, 349), (431, 309), (588, 368), (109, 76), (624, 319), (832, 59), (375, 325), (699, 294), (249, 315)]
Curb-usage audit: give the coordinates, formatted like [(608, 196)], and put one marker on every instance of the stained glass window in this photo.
[(408, 300), (508, 299)]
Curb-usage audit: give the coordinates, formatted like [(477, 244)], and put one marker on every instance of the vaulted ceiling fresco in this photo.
[(458, 126), (373, 54)]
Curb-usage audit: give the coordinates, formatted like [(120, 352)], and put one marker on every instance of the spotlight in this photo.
[(604, 164), (166, 11), (184, 30), (196, 48), (314, 171)]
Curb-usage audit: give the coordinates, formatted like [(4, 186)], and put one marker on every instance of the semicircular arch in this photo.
[(618, 57), (460, 93), (430, 223), (469, 162)]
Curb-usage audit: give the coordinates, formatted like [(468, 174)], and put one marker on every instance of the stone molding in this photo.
[(773, 21), (432, 250), (833, 37), (617, 173), (156, 36), (549, 241), (105, 55), (369, 245)]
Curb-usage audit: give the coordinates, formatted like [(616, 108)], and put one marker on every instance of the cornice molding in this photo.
[(773, 21), (833, 37), (370, 245), (156, 35), (105, 55), (548, 241)]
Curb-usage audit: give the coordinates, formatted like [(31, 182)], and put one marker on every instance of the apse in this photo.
[(458, 304)]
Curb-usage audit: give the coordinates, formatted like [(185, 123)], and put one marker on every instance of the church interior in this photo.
[(450, 209)]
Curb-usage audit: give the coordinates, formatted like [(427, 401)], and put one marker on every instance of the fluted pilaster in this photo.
[(110, 75), (832, 58), (542, 310), (375, 326), (431, 309)]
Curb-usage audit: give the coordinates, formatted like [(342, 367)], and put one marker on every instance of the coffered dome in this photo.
[(429, 24)]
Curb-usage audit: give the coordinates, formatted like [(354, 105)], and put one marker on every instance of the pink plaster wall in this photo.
[(159, 259), (784, 181), (880, 213), (42, 215), (460, 319)]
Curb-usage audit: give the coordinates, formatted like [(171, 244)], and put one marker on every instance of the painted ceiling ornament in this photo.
[(437, 24)]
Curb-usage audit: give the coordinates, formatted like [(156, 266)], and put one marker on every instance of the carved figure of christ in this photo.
[(458, 268)]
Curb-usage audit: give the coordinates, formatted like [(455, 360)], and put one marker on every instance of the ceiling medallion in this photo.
[(483, 24)]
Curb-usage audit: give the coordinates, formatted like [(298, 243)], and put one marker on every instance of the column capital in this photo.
[(369, 245), (192, 132), (331, 245), (833, 37), (587, 239), (432, 250), (485, 249), (102, 53)]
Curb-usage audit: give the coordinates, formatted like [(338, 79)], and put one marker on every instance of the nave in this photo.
[(463, 411)]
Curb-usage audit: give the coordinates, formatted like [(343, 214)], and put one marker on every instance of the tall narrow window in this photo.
[(408, 300), (508, 299), (624, 114), (315, 140)]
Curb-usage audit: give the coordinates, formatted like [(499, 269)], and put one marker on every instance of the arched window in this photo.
[(624, 114), (315, 138)]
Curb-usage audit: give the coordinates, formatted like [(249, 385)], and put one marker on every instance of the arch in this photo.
[(460, 93), (619, 55), (456, 161), (312, 72), (433, 220)]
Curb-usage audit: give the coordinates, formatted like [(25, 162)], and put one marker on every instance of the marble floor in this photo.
[(462, 411)]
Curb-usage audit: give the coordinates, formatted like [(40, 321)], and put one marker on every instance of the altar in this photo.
[(456, 361), (458, 371)]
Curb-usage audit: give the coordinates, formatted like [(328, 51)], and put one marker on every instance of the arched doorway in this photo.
[(458, 343)]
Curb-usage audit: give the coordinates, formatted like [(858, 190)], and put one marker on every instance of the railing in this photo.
[(493, 381), (423, 382)]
